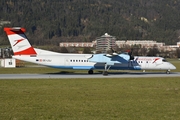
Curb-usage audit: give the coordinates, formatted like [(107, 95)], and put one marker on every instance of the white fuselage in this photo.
[(80, 61)]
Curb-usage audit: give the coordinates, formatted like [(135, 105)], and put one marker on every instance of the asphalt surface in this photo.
[(83, 75)]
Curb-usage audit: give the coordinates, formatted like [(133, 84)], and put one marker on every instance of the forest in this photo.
[(49, 22)]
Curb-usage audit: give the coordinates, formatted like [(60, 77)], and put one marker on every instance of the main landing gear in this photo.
[(106, 68), (105, 72), (90, 72)]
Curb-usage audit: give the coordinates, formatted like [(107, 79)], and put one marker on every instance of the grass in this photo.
[(28, 70), (97, 99)]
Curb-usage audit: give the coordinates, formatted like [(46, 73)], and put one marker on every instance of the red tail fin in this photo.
[(19, 41)]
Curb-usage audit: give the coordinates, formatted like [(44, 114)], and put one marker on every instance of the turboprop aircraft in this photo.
[(124, 61)]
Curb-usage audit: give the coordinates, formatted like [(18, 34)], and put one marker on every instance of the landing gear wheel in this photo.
[(105, 73), (168, 72), (90, 72)]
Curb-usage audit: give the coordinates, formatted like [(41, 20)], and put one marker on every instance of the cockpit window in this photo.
[(164, 60)]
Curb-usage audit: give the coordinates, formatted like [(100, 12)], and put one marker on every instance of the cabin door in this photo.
[(66, 62), (147, 64)]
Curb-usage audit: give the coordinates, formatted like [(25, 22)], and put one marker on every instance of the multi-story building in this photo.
[(105, 43), (144, 43), (178, 44), (77, 44)]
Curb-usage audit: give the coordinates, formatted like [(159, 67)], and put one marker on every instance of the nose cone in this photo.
[(172, 67)]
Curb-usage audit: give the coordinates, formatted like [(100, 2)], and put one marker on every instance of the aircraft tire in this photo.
[(90, 72), (105, 73), (167, 72)]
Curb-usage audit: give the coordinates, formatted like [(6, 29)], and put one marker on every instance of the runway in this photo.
[(83, 75)]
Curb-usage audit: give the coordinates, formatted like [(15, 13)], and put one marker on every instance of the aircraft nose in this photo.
[(172, 67)]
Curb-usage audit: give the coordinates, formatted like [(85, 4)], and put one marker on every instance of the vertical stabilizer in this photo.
[(19, 41)]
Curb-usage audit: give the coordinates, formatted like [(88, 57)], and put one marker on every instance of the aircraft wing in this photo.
[(111, 55), (110, 59)]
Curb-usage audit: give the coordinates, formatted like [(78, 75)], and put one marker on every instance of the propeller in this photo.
[(130, 54)]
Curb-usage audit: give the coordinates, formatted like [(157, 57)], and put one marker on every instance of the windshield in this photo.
[(164, 60)]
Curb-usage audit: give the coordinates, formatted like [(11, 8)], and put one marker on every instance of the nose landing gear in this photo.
[(168, 72)]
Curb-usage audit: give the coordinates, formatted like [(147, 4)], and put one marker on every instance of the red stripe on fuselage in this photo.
[(156, 60), (29, 51)]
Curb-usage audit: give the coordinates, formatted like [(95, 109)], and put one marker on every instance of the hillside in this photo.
[(52, 21)]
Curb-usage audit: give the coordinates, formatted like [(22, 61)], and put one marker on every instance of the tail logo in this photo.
[(18, 41)]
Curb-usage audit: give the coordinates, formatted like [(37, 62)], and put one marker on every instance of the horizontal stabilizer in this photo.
[(19, 41), (14, 30)]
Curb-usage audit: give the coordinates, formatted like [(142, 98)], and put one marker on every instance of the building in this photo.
[(178, 44), (143, 43), (105, 43), (77, 44), (8, 63), (102, 44)]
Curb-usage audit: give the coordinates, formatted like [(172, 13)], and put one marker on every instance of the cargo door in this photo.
[(66, 61)]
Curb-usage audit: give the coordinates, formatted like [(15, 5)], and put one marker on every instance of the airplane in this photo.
[(23, 50)]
